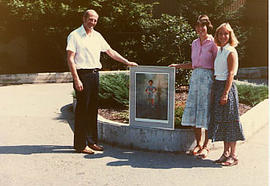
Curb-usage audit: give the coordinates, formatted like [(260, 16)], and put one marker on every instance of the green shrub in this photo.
[(251, 94), (114, 90), (179, 110)]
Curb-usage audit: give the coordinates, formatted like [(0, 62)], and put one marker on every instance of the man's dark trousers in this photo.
[(85, 132)]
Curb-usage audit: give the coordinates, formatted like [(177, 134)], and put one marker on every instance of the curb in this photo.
[(53, 77)]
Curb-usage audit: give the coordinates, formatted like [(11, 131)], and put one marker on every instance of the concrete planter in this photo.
[(120, 134), (145, 138), (178, 140)]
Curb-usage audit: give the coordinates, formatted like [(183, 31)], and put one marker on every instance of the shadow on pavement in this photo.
[(139, 158), (67, 115), (35, 149), (153, 160)]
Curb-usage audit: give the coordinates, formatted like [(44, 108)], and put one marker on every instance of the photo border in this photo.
[(152, 123)]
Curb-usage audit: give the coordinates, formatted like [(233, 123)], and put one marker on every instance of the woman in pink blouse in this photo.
[(197, 109)]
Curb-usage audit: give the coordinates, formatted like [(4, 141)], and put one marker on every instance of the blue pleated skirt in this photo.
[(197, 111)]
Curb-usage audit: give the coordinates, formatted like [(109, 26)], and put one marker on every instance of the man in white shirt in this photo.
[(83, 55)]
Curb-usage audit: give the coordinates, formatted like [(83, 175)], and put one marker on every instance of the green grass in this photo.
[(251, 94)]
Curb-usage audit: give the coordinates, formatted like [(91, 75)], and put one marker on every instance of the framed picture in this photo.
[(152, 91)]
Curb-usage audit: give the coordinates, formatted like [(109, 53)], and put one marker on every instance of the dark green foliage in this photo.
[(128, 26), (168, 40), (179, 110), (218, 13), (250, 94), (114, 90), (249, 23), (255, 22), (182, 77)]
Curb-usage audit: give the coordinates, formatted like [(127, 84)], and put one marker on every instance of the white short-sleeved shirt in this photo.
[(221, 64), (87, 48)]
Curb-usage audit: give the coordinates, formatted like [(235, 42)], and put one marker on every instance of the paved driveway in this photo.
[(36, 149)]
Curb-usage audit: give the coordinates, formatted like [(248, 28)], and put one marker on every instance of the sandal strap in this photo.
[(222, 158), (235, 158), (230, 161), (197, 147), (206, 148)]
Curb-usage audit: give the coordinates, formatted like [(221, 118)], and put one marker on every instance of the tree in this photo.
[(255, 23), (218, 12), (128, 25)]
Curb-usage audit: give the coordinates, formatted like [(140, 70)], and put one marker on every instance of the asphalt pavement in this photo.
[(36, 140)]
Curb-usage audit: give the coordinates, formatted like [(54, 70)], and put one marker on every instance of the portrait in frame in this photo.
[(152, 92)]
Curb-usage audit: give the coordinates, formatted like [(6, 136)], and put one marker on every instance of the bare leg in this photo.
[(226, 149), (205, 150), (198, 135), (152, 102), (226, 153), (232, 160), (206, 140), (233, 148)]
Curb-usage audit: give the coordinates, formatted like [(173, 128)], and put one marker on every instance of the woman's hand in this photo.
[(175, 65), (223, 99)]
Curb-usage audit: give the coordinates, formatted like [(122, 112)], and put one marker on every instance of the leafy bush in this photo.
[(251, 94), (179, 110), (114, 90)]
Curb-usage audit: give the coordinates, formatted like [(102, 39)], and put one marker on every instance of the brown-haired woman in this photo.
[(197, 109)]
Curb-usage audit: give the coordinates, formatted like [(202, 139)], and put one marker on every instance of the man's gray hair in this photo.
[(86, 13)]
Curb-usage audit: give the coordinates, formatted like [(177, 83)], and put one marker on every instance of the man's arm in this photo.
[(116, 56), (72, 68)]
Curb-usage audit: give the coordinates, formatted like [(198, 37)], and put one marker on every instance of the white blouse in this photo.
[(221, 64)]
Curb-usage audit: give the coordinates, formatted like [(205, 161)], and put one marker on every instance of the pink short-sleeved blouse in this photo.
[(203, 56)]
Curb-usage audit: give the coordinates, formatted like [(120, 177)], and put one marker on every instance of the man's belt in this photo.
[(94, 70)]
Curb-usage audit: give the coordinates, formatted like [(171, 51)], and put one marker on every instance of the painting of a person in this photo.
[(151, 91)]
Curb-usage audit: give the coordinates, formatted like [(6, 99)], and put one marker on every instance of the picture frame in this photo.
[(152, 97)]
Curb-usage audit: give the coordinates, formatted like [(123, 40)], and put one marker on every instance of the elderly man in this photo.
[(83, 55)]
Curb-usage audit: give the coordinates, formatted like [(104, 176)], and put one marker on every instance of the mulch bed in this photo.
[(121, 115)]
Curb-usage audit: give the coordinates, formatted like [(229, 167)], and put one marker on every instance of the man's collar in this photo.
[(82, 31)]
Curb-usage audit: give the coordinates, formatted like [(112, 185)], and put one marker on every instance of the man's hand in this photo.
[(129, 63), (78, 85)]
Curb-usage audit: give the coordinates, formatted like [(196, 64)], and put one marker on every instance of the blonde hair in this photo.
[(232, 40)]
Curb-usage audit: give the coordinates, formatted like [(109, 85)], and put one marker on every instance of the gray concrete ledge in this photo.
[(256, 75), (145, 138), (53, 77), (178, 140), (253, 73)]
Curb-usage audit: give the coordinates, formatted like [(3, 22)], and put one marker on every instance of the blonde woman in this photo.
[(225, 125)]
